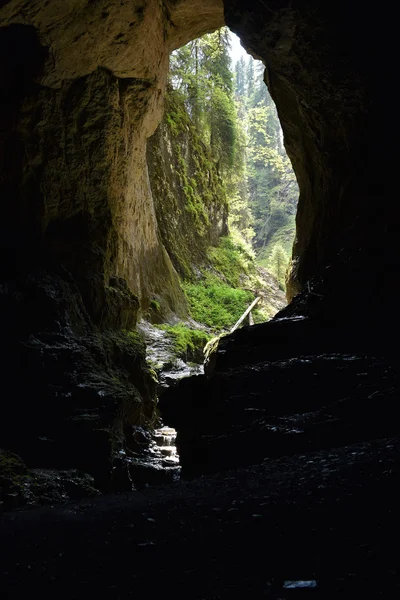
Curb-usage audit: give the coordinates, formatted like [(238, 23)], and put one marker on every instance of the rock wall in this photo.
[(322, 71), (81, 90), (96, 76), (324, 371), (190, 201)]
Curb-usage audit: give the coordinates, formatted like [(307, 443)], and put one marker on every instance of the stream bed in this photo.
[(156, 460), (162, 357)]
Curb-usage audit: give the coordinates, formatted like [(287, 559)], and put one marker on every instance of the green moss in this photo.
[(12, 466), (155, 306), (188, 343), (13, 477), (131, 343), (188, 194), (191, 207), (260, 315), (218, 299)]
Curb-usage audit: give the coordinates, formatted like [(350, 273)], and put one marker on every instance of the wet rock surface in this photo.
[(270, 394), (20, 486), (72, 387), (150, 456), (161, 355), (328, 516), (151, 459)]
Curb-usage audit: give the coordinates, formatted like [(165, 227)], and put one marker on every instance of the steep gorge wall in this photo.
[(95, 95), (189, 198)]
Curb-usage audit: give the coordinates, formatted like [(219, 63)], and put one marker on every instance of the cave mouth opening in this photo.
[(226, 96), (217, 164), (218, 90)]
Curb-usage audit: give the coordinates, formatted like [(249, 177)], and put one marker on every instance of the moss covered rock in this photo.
[(190, 201)]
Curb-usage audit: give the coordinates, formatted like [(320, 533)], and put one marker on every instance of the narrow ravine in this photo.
[(155, 459)]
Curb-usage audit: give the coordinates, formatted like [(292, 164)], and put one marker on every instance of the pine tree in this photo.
[(250, 79), (240, 81), (278, 263), (202, 72)]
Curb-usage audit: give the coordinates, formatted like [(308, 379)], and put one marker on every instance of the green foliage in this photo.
[(271, 187), (218, 300), (222, 128), (278, 263), (239, 126), (231, 260), (188, 193), (216, 304), (188, 343), (130, 343), (283, 236), (201, 71)]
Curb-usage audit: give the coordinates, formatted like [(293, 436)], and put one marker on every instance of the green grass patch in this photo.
[(218, 299), (216, 304)]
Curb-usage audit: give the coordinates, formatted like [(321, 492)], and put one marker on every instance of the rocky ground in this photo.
[(290, 489), (329, 518)]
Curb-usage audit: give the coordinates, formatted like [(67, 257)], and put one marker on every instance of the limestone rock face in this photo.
[(96, 86), (81, 90), (190, 202), (130, 39)]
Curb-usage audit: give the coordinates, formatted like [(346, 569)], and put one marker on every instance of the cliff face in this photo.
[(77, 116), (190, 202)]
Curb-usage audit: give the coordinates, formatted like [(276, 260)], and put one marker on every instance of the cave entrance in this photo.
[(80, 227), (218, 161), (225, 95), (224, 191), (225, 198)]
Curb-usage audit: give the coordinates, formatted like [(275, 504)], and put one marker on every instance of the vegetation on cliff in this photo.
[(222, 186), (238, 123)]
